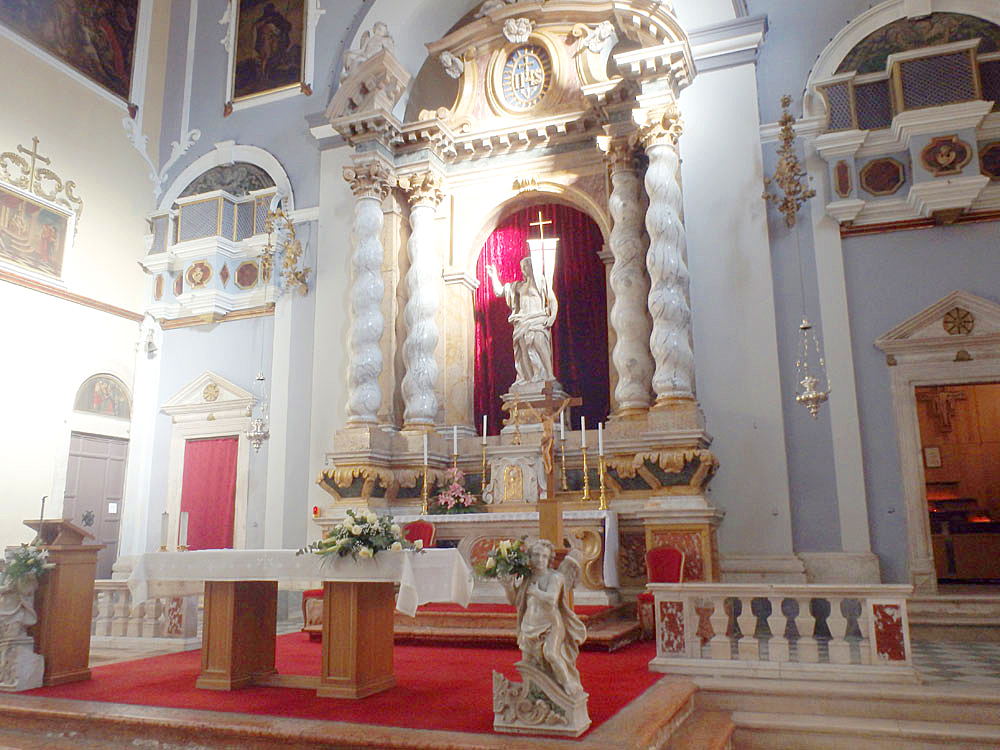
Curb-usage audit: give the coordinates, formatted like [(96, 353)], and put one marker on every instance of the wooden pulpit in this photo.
[(65, 600)]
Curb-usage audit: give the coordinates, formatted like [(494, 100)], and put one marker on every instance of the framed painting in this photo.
[(33, 232), (269, 47), (95, 38), (105, 395)]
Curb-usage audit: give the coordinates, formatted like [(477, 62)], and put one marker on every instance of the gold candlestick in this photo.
[(562, 465), (454, 461), (482, 478), (586, 477), (423, 494), (604, 495)]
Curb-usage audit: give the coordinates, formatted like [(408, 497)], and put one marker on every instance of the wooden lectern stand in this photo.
[(65, 600)]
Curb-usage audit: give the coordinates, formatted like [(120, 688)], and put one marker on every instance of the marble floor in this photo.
[(968, 664)]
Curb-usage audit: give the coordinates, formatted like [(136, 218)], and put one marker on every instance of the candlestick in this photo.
[(583, 432), (603, 497), (425, 450), (562, 426), (563, 483), (482, 477), (600, 439), (164, 530), (182, 543), (424, 493), (484, 429), (586, 477)]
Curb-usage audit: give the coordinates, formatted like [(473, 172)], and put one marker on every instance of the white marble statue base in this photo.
[(20, 667), (537, 705)]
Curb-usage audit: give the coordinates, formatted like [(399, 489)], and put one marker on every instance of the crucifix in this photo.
[(942, 406), (541, 224), (35, 156)]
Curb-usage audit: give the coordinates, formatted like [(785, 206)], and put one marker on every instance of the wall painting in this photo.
[(32, 233), (269, 43), (103, 394)]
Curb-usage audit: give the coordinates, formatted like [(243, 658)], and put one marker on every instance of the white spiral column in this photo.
[(420, 403), (670, 340), (370, 184), (629, 316)]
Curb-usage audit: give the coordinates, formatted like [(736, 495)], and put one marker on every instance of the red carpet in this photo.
[(436, 688)]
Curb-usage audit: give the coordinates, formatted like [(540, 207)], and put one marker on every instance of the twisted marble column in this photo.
[(370, 184), (670, 340), (420, 403), (629, 316)]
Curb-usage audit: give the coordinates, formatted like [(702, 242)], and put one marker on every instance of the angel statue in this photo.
[(549, 633)]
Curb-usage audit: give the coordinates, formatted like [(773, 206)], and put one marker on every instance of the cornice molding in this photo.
[(728, 44)]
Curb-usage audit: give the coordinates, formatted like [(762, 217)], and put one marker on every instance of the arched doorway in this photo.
[(580, 332)]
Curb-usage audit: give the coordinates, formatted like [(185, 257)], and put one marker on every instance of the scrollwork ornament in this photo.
[(517, 30), (21, 169), (789, 176), (517, 703), (453, 64), (371, 180)]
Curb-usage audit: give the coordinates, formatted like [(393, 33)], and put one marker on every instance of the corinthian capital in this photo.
[(371, 180), (619, 153), (422, 188), (663, 125)]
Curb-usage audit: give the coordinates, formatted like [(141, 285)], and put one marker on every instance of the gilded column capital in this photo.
[(663, 126), (370, 180), (422, 188), (619, 153)]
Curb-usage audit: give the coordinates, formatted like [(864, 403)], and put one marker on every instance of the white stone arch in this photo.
[(873, 19), (227, 152)]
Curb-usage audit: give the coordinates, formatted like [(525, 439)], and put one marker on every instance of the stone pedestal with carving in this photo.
[(20, 667), (537, 705)]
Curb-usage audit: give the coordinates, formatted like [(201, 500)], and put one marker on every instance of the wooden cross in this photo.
[(942, 406), (550, 521), (35, 156), (541, 224)]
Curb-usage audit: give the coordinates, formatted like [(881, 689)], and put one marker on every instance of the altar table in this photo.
[(240, 618)]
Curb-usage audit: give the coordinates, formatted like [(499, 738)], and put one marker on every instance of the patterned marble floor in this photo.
[(969, 664)]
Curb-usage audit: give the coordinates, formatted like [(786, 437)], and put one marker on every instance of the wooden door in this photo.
[(95, 482)]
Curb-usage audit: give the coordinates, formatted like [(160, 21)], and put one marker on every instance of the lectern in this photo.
[(65, 600)]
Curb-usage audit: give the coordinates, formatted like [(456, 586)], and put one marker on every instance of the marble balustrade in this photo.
[(115, 615), (788, 631)]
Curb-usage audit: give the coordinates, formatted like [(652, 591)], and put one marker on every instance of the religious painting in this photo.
[(269, 42), (103, 394), (32, 233), (95, 37)]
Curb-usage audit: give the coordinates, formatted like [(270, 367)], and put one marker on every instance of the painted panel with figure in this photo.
[(32, 234), (103, 394), (269, 43), (96, 37)]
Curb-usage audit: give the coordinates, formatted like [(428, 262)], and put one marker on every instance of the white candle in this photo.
[(562, 426), (454, 440), (425, 450), (600, 439), (484, 429), (164, 529), (184, 529), (583, 432)]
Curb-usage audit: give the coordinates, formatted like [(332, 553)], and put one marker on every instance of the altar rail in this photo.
[(789, 631), (161, 617)]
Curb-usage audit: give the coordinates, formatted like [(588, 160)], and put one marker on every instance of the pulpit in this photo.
[(65, 600)]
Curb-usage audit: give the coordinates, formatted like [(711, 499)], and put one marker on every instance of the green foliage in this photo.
[(507, 559), (27, 560)]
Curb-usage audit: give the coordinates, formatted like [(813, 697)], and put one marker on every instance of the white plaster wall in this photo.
[(732, 299)]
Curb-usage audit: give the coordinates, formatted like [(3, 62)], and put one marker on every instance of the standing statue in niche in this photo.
[(549, 633), (532, 312)]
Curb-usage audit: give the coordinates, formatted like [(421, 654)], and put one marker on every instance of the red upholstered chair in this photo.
[(312, 613), (420, 529), (663, 565)]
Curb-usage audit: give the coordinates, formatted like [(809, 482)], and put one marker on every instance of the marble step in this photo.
[(704, 730), (780, 731), (953, 617)]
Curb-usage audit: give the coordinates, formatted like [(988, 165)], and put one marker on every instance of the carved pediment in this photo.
[(960, 325), (209, 396), (373, 85)]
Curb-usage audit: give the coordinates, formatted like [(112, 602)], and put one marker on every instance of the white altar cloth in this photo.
[(434, 575)]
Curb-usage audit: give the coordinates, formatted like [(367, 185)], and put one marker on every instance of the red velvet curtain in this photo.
[(208, 492), (580, 333)]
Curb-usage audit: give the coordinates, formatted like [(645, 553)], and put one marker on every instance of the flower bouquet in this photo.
[(362, 535), (27, 560), (453, 497), (507, 559)]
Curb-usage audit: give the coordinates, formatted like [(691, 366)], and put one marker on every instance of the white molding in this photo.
[(191, 421), (805, 127), (727, 44), (926, 361), (957, 192), (313, 11)]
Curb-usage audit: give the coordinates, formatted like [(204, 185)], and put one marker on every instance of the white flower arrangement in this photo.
[(362, 535)]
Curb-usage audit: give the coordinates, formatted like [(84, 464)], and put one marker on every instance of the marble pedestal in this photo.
[(20, 667), (537, 705)]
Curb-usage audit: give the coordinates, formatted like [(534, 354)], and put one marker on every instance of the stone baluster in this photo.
[(122, 613), (733, 607), (761, 608), (808, 646), (704, 608), (749, 646), (819, 608), (720, 647), (791, 633), (629, 282), (151, 625), (840, 647), (104, 605), (370, 184), (420, 403), (669, 343), (778, 649)]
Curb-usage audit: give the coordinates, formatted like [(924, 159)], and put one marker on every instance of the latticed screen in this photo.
[(989, 76), (228, 217), (244, 220), (871, 102), (933, 81), (199, 220), (159, 234), (837, 98), (261, 204)]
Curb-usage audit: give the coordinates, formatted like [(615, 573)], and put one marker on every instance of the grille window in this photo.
[(871, 101), (989, 76), (840, 106), (933, 81)]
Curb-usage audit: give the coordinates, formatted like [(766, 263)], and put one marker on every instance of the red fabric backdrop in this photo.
[(208, 492), (580, 333)]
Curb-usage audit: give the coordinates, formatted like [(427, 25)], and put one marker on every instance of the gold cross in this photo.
[(541, 224), (34, 157)]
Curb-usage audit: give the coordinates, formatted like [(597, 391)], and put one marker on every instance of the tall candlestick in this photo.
[(484, 429), (182, 543), (583, 432), (425, 450), (41, 513), (164, 530), (454, 440), (600, 439), (562, 426)]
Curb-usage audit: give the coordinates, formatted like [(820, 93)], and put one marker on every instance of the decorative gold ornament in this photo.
[(788, 176), (210, 392), (958, 322), (38, 180), (809, 396), (290, 248)]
